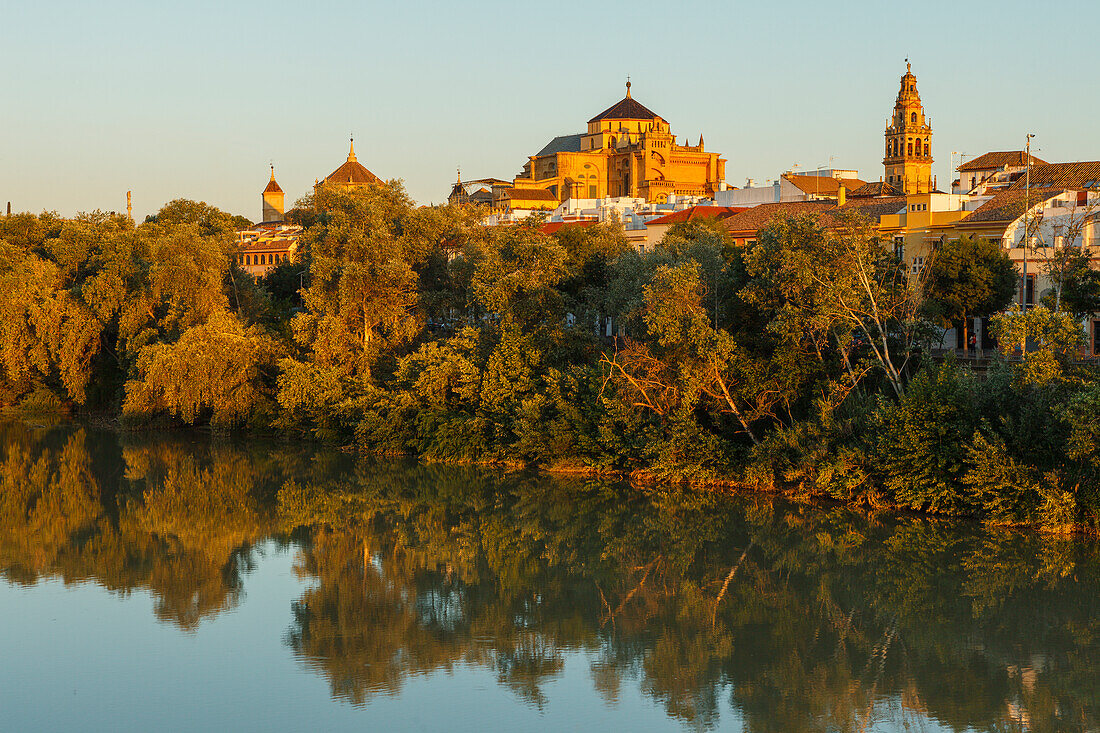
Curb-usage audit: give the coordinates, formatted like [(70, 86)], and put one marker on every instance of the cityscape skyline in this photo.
[(196, 102)]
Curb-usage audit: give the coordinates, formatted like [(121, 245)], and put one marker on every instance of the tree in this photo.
[(969, 277), (1078, 284), (218, 371)]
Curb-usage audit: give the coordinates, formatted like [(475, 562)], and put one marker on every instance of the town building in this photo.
[(272, 241), (811, 186), (627, 151), (992, 171), (274, 202)]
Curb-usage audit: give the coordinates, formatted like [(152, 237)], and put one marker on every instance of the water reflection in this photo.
[(802, 619)]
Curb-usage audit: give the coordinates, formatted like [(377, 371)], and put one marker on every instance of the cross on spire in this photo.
[(628, 86)]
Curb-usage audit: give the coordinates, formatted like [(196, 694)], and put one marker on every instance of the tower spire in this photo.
[(628, 86), (272, 171), (351, 151)]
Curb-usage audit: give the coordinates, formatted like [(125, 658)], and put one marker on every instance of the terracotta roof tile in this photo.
[(821, 184), (875, 188), (1007, 205), (758, 217), (529, 194), (1081, 174), (553, 226), (999, 159), (698, 212), (351, 172), (626, 108), (273, 187)]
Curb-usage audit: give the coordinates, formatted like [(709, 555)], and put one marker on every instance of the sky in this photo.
[(195, 99)]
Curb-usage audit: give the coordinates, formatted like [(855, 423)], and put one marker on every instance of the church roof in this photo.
[(999, 159), (352, 171), (561, 144), (272, 187), (626, 109)]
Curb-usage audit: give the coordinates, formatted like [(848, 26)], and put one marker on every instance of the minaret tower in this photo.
[(273, 200), (908, 158)]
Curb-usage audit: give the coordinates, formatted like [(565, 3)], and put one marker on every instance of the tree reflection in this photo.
[(805, 619), (801, 618)]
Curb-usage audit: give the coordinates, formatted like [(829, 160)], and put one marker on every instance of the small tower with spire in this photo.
[(274, 200), (908, 158)]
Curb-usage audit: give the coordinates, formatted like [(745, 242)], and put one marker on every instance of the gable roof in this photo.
[(562, 144), (1007, 205), (875, 208), (698, 212), (1080, 174), (529, 194), (999, 159), (626, 108), (875, 188)]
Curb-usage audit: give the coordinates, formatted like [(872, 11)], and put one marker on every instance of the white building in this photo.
[(822, 184)]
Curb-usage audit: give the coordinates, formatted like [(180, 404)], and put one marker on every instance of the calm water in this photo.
[(178, 583)]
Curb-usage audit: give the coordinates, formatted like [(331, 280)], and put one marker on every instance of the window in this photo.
[(899, 247), (1030, 290), (591, 191), (910, 149), (926, 153), (918, 265), (913, 118)]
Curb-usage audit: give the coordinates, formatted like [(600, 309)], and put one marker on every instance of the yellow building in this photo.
[(627, 151), (274, 200), (908, 158)]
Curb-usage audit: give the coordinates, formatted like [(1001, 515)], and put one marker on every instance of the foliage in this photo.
[(969, 277), (1046, 340)]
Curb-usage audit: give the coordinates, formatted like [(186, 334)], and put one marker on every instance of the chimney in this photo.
[(841, 195)]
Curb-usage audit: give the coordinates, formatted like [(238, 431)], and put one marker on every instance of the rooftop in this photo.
[(626, 108), (999, 159)]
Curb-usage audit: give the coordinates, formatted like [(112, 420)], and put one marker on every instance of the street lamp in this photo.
[(1027, 231)]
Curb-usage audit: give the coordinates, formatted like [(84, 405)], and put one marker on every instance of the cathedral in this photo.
[(908, 160), (627, 150)]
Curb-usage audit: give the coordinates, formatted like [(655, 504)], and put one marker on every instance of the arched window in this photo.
[(913, 118), (263, 259), (910, 149), (916, 148), (926, 153), (248, 259)]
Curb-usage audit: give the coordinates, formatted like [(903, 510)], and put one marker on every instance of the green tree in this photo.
[(969, 277)]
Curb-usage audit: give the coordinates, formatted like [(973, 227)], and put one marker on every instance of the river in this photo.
[(185, 582)]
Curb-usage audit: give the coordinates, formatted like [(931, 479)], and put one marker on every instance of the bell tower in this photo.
[(273, 200), (908, 160)]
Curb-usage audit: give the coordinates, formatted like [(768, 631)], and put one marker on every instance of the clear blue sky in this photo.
[(192, 99)]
